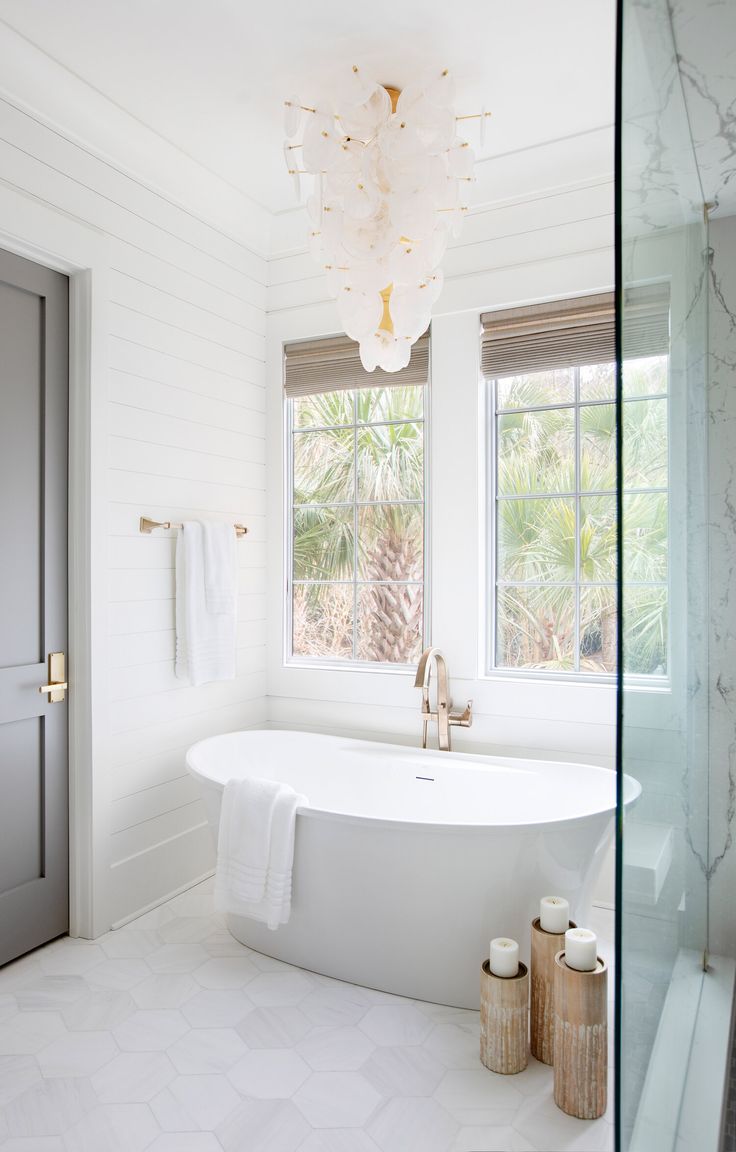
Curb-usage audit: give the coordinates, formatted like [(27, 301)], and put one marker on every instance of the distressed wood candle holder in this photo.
[(504, 1020), (545, 946), (581, 1039)]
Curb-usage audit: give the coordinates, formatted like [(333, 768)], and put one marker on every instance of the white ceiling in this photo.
[(210, 75)]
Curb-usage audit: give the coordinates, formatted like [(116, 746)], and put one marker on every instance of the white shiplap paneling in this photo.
[(186, 437)]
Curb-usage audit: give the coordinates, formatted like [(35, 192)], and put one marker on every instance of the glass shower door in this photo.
[(662, 898)]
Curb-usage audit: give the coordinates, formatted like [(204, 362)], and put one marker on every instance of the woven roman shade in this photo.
[(646, 321), (541, 337), (333, 365)]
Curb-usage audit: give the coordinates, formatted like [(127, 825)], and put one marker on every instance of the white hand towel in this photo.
[(255, 850), (220, 566), (205, 639)]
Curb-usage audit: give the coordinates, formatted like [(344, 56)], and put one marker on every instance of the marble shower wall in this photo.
[(722, 549), (705, 38)]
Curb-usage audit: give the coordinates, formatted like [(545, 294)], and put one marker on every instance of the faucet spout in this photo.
[(424, 667), (431, 659)]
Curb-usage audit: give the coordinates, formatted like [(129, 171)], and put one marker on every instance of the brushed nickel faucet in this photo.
[(446, 719)]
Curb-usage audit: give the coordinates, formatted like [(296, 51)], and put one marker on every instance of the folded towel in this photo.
[(255, 850), (205, 638), (220, 567)]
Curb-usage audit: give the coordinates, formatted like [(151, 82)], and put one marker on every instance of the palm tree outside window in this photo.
[(552, 497), (356, 521)]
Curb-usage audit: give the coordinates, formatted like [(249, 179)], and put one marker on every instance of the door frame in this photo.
[(33, 229)]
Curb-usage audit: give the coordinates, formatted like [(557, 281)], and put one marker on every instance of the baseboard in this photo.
[(150, 878), (162, 900)]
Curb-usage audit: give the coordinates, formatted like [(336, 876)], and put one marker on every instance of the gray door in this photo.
[(34, 810)]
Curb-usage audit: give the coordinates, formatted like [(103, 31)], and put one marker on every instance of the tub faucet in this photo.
[(446, 719)]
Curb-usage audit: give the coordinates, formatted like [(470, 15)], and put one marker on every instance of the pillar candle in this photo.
[(504, 960), (554, 914), (581, 949)]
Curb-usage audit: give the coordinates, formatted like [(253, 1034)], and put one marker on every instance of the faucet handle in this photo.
[(463, 719)]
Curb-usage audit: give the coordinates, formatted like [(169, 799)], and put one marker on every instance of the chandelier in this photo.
[(391, 186)]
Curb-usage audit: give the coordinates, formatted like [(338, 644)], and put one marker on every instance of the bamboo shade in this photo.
[(333, 365), (569, 333)]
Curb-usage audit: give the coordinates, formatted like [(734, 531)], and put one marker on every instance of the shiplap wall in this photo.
[(186, 438)]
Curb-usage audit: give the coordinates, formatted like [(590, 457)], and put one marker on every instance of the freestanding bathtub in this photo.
[(407, 862)]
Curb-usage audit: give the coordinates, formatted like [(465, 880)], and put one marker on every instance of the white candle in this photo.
[(581, 949), (554, 914), (504, 957)]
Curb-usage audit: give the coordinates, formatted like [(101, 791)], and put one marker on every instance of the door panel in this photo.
[(20, 451), (21, 852), (34, 323)]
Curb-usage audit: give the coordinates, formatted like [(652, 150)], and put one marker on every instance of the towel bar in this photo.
[(147, 526)]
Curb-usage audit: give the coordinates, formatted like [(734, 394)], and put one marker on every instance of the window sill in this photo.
[(350, 666)]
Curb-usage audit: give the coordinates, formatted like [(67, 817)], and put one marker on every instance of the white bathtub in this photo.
[(407, 862)]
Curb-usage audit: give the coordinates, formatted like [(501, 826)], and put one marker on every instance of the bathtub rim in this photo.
[(425, 826)]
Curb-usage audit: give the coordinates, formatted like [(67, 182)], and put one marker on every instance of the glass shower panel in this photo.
[(662, 887)]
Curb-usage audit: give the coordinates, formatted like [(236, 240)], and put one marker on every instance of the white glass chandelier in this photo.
[(391, 185)]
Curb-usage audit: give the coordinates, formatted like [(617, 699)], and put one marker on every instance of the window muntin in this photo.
[(357, 526), (553, 507)]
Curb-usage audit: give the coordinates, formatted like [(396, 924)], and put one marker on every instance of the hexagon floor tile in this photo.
[(168, 1036)]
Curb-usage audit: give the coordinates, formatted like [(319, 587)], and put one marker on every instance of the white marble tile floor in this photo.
[(168, 1036)]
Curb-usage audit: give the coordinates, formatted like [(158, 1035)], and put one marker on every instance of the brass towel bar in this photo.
[(147, 526)]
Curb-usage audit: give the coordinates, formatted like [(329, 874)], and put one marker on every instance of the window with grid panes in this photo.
[(356, 520), (553, 528)]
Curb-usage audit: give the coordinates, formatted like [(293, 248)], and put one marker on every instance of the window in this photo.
[(553, 491), (357, 545)]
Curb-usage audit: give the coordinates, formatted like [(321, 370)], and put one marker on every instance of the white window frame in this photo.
[(492, 670), (336, 665)]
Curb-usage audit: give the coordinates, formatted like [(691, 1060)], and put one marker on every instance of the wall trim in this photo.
[(39, 233)]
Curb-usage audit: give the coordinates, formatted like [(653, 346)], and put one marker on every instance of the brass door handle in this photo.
[(57, 685)]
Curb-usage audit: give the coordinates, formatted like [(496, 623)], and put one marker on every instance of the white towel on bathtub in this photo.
[(255, 849)]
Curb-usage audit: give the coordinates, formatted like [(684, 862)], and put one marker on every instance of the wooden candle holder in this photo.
[(581, 1039), (504, 1020), (545, 946)]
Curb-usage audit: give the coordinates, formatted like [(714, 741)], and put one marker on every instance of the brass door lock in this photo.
[(57, 685)]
